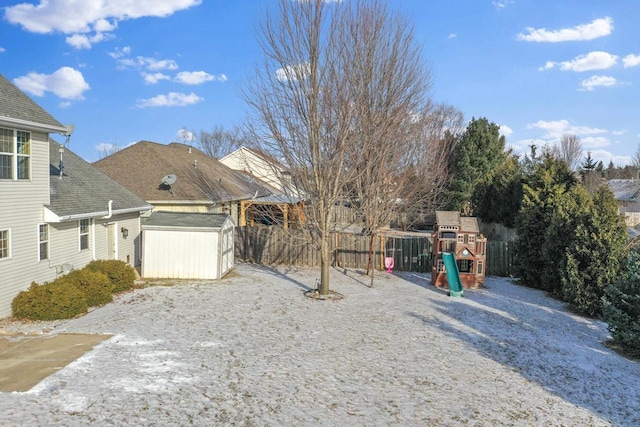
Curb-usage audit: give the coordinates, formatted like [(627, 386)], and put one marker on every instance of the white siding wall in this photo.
[(180, 254), (128, 250), (21, 209)]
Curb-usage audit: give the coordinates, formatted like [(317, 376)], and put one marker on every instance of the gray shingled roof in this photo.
[(16, 105), (84, 189), (466, 223), (185, 219), (141, 167), (625, 189)]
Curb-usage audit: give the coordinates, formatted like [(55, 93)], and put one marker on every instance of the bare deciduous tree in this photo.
[(342, 100), (220, 141), (570, 150), (300, 98)]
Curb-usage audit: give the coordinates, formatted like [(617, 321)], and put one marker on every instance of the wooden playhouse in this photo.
[(460, 236)]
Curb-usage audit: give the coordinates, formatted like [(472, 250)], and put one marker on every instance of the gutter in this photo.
[(50, 216), (27, 124)]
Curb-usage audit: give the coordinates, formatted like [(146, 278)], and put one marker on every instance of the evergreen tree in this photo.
[(498, 198), (594, 259), (621, 307), (542, 193), (479, 152)]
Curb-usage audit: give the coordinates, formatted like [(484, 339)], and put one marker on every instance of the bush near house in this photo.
[(621, 308), (121, 274), (50, 301), (96, 286), (72, 294)]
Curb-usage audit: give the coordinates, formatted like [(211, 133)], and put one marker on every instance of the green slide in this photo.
[(453, 275)]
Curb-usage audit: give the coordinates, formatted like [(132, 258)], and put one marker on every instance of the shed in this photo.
[(187, 245)]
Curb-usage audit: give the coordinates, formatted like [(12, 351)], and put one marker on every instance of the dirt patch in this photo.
[(25, 360)]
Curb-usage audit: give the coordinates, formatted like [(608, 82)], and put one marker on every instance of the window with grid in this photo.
[(480, 267), (15, 154), (83, 225), (440, 266), (6, 153), (23, 152), (465, 265), (5, 248), (43, 241)]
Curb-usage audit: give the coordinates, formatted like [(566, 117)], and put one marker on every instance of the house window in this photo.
[(23, 160), (15, 154), (465, 265), (6, 154), (5, 247), (472, 238), (460, 238), (480, 268), (83, 225), (43, 241), (440, 266)]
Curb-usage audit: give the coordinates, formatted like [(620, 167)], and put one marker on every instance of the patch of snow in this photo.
[(250, 349)]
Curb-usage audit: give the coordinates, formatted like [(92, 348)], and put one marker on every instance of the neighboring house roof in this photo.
[(465, 223), (625, 189), (200, 178), (267, 158), (185, 220), (82, 191), (17, 109)]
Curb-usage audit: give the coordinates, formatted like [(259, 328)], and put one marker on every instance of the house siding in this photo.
[(21, 209)]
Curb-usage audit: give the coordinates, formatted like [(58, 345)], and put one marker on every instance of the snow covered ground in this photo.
[(252, 350)]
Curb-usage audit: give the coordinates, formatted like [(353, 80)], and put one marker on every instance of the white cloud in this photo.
[(198, 77), (92, 18), (82, 41), (452, 36), (619, 132), (185, 135), (596, 60), (172, 99), (153, 78), (66, 82), (2, 49), (501, 4), (555, 129), (598, 28), (293, 72), (595, 141), (631, 60), (506, 131), (597, 81), (605, 157)]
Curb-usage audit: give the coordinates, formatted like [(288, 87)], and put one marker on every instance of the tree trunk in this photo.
[(325, 262), (370, 257)]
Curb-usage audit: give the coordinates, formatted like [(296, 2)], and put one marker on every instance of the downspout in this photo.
[(110, 210)]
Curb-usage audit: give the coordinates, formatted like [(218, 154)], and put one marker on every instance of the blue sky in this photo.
[(125, 71)]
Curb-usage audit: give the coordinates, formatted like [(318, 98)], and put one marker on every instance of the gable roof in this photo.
[(17, 109), (267, 158), (200, 178), (465, 223), (83, 191)]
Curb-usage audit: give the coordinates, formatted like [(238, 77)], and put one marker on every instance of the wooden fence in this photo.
[(274, 245)]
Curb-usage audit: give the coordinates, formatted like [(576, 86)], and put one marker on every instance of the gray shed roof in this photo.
[(85, 190), (185, 219), (16, 107)]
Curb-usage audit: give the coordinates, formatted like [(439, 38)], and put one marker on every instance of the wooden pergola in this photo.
[(290, 209)]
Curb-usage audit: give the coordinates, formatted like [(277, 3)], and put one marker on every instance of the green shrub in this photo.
[(50, 301), (621, 308), (121, 274), (96, 286)]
